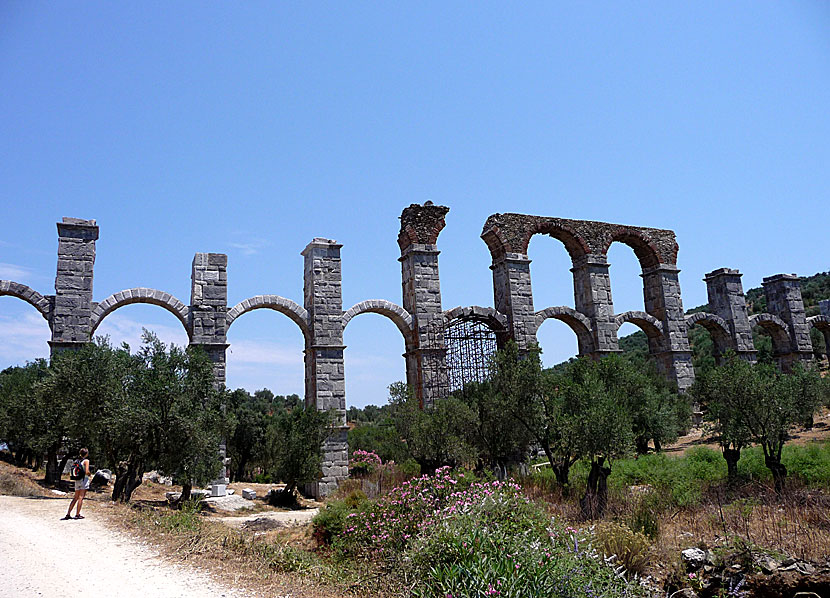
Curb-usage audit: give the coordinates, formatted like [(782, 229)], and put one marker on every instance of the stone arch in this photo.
[(297, 314), (511, 233), (821, 323), (401, 318), (139, 295), (645, 322), (495, 320), (716, 326), (29, 295), (776, 328), (577, 322), (647, 253)]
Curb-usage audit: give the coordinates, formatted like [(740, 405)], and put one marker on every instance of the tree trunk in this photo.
[(53, 476), (596, 491), (641, 445), (285, 498), (657, 446), (128, 478), (779, 472), (732, 457), (186, 488), (62, 465)]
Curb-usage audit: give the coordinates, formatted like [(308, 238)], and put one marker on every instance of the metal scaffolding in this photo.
[(470, 347)]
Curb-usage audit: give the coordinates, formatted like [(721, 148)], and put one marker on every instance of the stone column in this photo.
[(513, 294), (592, 297), (727, 300), (426, 369), (783, 292), (824, 309), (208, 307), (325, 378), (73, 284), (661, 290)]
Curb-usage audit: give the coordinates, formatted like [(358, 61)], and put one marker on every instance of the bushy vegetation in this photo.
[(455, 535)]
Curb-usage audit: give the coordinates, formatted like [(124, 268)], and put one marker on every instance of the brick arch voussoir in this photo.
[(577, 322), (139, 295), (644, 321), (294, 311), (494, 319), (574, 243), (716, 326), (777, 329), (821, 323), (646, 251), (399, 316), (10, 288)]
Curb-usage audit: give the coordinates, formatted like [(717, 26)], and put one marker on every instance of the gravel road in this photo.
[(40, 555)]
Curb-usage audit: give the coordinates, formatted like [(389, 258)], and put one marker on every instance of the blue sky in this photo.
[(250, 129)]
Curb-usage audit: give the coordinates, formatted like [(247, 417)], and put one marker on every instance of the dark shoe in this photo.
[(65, 518), (79, 516)]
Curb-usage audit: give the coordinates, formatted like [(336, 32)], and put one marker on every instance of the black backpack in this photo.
[(77, 472)]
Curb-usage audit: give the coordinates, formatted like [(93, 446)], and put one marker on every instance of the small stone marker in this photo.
[(248, 493), (218, 490)]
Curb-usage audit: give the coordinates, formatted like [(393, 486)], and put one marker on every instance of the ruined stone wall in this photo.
[(73, 315)]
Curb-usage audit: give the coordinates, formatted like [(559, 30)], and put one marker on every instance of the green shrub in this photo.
[(630, 548), (329, 523), (410, 467), (186, 517), (645, 519)]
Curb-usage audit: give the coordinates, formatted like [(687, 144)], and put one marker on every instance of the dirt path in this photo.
[(39, 554)]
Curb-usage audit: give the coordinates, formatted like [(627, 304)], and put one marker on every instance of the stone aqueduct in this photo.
[(73, 316)]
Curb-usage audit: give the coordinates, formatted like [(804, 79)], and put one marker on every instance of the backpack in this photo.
[(77, 472)]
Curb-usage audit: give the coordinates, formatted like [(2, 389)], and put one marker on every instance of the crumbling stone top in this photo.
[(511, 233), (421, 224)]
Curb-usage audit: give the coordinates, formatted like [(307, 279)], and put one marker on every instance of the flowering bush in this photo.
[(363, 463), (387, 526)]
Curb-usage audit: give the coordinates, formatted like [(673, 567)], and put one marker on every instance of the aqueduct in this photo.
[(446, 348)]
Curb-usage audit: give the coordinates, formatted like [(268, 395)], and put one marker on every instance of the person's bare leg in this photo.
[(80, 502), (72, 504)]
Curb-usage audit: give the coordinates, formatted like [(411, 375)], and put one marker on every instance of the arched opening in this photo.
[(553, 285), (126, 324), (709, 338), (624, 272), (265, 352), (566, 347), (772, 339), (24, 333), (372, 359)]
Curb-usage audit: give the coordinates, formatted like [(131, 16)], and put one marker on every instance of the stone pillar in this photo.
[(727, 300), (783, 292), (208, 307), (824, 307), (426, 369), (661, 291), (325, 378), (513, 294), (592, 297), (73, 284)]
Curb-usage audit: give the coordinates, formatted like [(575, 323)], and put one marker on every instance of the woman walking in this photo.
[(81, 486)]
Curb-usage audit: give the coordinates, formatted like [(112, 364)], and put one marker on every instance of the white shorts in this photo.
[(82, 484)]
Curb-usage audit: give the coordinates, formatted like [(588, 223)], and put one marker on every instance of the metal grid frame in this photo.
[(470, 344)]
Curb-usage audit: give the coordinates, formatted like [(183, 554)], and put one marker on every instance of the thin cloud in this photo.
[(16, 273), (251, 246), (25, 337)]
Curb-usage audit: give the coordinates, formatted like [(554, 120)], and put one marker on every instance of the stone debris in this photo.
[(693, 558), (248, 494)]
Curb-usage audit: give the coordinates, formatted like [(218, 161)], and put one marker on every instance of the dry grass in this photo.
[(273, 563), (17, 481)]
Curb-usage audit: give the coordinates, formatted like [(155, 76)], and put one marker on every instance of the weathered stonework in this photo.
[(783, 292), (73, 316), (421, 287), (73, 283), (824, 307), (727, 300), (325, 373)]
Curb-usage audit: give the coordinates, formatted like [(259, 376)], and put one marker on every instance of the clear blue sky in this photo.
[(251, 128)]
